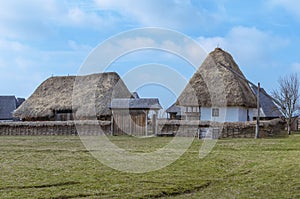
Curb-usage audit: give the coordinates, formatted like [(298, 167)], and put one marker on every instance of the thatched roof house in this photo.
[(59, 98), (268, 108), (216, 93)]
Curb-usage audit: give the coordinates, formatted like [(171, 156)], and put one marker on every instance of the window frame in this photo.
[(215, 112)]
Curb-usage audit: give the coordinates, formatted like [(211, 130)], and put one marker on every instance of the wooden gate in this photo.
[(130, 123)]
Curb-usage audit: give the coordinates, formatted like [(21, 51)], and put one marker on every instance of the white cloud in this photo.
[(24, 19), (186, 48), (210, 43), (35, 40), (31, 19), (14, 46), (296, 67), (136, 42), (78, 17), (24, 67), (15, 55), (250, 46), (79, 47), (180, 15), (291, 6), (44, 37)]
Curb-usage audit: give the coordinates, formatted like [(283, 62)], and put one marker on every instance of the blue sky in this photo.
[(39, 39)]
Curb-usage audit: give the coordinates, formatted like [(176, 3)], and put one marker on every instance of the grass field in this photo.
[(60, 167)]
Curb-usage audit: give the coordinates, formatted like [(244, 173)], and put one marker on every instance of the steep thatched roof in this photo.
[(85, 95), (215, 85)]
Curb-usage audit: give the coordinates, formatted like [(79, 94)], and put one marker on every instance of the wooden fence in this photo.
[(272, 128), (54, 128)]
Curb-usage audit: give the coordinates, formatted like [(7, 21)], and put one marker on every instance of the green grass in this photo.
[(60, 167)]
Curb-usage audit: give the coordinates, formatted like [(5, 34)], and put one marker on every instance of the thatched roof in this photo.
[(215, 85), (85, 95)]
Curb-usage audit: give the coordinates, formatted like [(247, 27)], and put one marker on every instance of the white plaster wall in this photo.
[(242, 114), (231, 114), (226, 114), (205, 114)]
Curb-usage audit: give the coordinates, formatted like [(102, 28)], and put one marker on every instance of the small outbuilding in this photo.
[(131, 116)]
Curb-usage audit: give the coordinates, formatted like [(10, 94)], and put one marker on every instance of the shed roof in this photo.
[(175, 109), (20, 101), (7, 106), (135, 95), (268, 106), (137, 103)]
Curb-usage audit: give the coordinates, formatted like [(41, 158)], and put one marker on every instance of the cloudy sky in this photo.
[(39, 39)]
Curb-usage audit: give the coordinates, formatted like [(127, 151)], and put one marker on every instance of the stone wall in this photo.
[(54, 128), (272, 128)]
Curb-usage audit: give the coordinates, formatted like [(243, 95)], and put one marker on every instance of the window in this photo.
[(195, 109), (215, 112), (189, 109), (248, 117), (192, 109)]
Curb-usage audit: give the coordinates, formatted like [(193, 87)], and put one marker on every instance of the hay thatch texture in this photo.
[(87, 96), (215, 85)]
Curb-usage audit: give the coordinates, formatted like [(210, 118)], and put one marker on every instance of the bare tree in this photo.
[(287, 96)]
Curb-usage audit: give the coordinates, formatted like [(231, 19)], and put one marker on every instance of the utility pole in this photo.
[(258, 111), (257, 95)]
